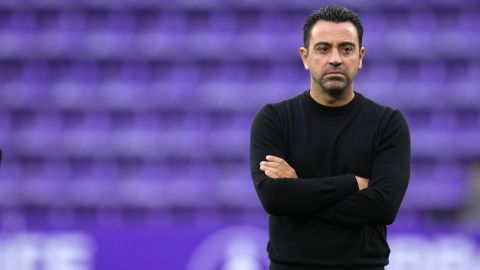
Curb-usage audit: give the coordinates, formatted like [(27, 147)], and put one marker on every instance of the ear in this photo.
[(304, 55), (362, 54)]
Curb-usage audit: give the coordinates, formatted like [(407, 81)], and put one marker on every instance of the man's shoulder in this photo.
[(280, 110), (375, 106), (383, 113), (287, 104)]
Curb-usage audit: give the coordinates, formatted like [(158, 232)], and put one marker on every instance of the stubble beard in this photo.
[(335, 88)]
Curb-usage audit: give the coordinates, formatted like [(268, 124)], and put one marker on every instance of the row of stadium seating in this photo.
[(155, 185)]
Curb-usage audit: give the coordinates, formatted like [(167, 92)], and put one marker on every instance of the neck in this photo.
[(325, 99)]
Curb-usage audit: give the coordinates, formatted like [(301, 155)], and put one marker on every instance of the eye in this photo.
[(322, 49), (347, 49)]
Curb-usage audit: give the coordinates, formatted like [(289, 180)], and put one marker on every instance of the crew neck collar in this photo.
[(350, 106)]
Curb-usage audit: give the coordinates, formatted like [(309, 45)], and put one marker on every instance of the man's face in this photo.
[(333, 56)]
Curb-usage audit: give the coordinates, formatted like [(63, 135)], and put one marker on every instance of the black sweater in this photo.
[(322, 219)]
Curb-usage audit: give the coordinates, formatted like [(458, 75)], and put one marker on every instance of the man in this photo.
[(330, 166)]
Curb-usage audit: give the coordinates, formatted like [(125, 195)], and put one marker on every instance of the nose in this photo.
[(335, 59)]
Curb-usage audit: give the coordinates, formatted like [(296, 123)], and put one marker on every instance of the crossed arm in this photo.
[(277, 168), (343, 199)]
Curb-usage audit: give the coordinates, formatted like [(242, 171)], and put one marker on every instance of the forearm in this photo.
[(369, 206), (301, 197)]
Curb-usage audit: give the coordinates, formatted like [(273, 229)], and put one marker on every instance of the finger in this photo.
[(271, 174), (277, 172), (271, 164), (274, 158), (275, 165), (264, 168), (285, 167)]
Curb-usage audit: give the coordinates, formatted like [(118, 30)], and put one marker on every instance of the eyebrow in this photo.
[(343, 43)]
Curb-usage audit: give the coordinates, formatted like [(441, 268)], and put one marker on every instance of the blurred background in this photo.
[(125, 125)]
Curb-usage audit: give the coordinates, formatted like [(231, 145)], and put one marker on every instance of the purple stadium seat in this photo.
[(76, 95), (40, 138), (223, 22), (464, 92), (125, 95), (432, 142), (468, 20), (121, 21), (10, 186), (144, 193), (6, 130), (91, 138), (444, 187), (93, 192)]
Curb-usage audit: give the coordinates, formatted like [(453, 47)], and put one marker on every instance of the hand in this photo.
[(276, 167), (362, 182)]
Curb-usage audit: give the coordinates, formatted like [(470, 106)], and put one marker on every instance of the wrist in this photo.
[(361, 182)]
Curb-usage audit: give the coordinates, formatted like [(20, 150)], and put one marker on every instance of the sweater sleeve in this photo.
[(289, 197), (380, 202)]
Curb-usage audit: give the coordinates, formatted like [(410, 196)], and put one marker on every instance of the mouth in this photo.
[(335, 76), (335, 73)]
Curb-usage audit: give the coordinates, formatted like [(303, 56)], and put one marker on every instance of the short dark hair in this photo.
[(332, 13)]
